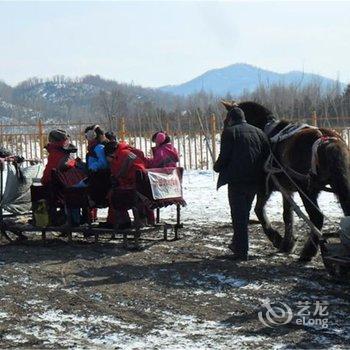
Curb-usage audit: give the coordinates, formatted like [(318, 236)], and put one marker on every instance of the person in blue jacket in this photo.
[(96, 158), (98, 167)]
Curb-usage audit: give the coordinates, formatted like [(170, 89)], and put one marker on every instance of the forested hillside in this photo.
[(92, 98)]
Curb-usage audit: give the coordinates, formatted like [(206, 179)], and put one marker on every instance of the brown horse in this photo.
[(297, 156)]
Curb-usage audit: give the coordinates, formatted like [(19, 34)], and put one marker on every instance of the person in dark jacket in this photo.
[(243, 152)]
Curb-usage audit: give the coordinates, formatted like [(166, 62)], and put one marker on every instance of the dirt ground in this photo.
[(171, 295)]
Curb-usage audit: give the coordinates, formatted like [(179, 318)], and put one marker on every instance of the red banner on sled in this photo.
[(165, 185)]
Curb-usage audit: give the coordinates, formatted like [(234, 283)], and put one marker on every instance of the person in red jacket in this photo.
[(124, 162), (60, 152)]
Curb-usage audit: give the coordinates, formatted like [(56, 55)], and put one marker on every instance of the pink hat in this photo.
[(160, 138)]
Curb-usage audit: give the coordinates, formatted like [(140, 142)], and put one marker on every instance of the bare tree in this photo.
[(113, 105)]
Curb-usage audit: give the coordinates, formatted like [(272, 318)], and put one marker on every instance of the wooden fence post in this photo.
[(116, 127), (314, 118), (122, 132), (41, 138), (201, 149), (213, 135)]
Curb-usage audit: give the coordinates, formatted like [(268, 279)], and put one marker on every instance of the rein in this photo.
[(271, 124), (271, 173), (272, 170), (273, 167)]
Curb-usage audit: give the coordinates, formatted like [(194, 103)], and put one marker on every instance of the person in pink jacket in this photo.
[(164, 153)]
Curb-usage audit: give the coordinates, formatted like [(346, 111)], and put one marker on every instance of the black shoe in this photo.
[(232, 248), (105, 225), (124, 226), (239, 257)]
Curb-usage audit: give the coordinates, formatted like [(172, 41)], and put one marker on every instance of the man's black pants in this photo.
[(240, 199)]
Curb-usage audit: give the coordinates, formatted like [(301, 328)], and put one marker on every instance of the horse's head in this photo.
[(255, 113)]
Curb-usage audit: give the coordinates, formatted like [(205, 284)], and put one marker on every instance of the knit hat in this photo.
[(160, 138), (236, 115), (5, 152), (110, 148), (58, 135), (111, 136)]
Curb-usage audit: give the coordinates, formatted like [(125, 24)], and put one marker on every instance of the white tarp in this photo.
[(165, 185), (16, 197)]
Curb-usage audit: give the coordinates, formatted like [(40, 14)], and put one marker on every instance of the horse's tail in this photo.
[(338, 163)]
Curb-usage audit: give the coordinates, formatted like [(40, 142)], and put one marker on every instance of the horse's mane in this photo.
[(255, 113), (258, 115), (256, 108)]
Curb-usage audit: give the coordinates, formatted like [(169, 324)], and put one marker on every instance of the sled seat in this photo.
[(155, 189), (60, 194), (154, 193), (160, 187), (94, 195)]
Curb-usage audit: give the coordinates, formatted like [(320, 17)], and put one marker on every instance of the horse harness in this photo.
[(288, 131), (271, 168)]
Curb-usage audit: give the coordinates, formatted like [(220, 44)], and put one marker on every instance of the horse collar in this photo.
[(271, 124)]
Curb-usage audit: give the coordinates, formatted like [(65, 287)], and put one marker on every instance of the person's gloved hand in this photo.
[(71, 163), (18, 159)]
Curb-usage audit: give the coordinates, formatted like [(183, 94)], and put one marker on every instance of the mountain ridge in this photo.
[(239, 77)]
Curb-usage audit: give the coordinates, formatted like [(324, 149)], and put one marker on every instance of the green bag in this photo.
[(41, 214)]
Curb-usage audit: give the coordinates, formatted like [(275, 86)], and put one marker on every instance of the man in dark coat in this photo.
[(243, 152)]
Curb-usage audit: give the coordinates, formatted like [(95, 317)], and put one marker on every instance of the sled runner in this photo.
[(335, 256)]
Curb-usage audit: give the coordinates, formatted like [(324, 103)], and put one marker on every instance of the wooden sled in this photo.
[(67, 197)]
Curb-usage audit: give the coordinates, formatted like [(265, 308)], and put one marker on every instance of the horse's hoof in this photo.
[(20, 236), (308, 252), (287, 246), (305, 259), (274, 237)]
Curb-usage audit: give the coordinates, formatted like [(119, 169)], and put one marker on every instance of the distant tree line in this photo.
[(331, 104), (92, 98)]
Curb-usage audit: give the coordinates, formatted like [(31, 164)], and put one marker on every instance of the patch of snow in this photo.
[(33, 302), (211, 246), (228, 281), (3, 314), (16, 338)]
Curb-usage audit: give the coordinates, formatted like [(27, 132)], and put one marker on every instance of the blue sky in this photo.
[(169, 42)]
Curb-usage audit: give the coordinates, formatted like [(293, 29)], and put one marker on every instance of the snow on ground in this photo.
[(70, 330), (206, 204)]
